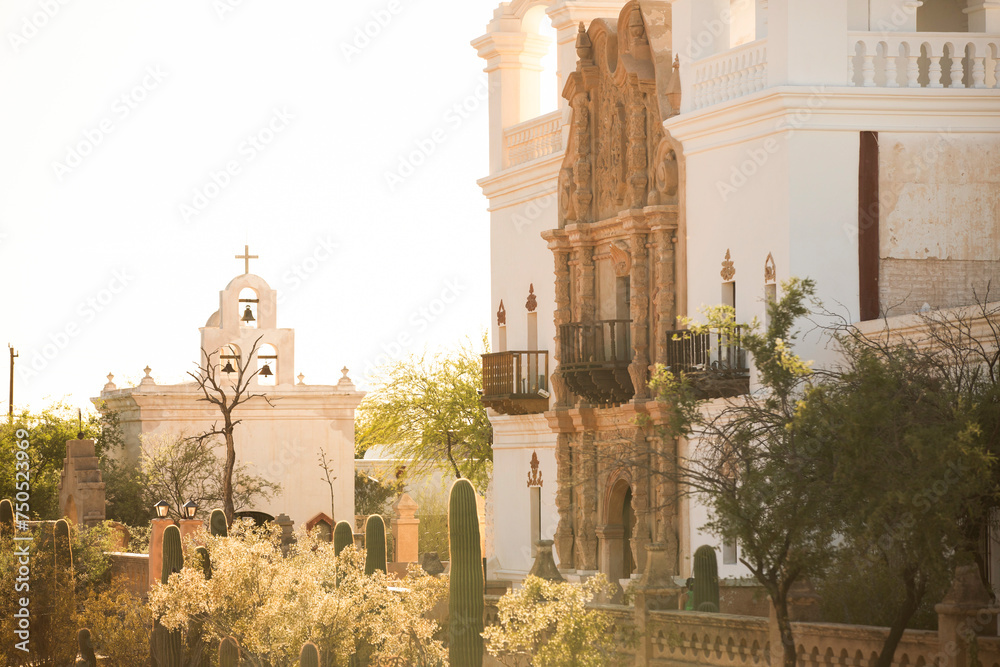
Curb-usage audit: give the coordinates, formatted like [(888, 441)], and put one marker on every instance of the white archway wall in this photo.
[(536, 22)]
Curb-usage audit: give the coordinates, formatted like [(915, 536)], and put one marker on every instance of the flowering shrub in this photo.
[(273, 604), (548, 624)]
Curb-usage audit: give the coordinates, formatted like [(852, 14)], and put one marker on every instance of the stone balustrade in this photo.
[(923, 60), (729, 75), (532, 139)]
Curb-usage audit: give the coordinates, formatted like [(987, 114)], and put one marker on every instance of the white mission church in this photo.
[(281, 441)]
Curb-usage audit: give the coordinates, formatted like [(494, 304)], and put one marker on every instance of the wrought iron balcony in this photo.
[(516, 382), (716, 362), (594, 359)]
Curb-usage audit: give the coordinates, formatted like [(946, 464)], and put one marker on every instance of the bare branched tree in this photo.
[(327, 467), (227, 394)]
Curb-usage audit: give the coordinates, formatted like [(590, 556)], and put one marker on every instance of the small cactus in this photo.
[(202, 558), (375, 545), (309, 657), (217, 524), (6, 518), (62, 547), (467, 587), (706, 579), (343, 536), (87, 658), (173, 555), (229, 653), (168, 646)]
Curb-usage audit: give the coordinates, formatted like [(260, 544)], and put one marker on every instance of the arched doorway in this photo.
[(615, 535)]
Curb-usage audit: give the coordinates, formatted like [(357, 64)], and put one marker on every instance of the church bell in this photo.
[(247, 315), (266, 371), (228, 368)]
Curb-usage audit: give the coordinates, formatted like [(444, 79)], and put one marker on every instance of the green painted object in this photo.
[(229, 653), (6, 518), (202, 557), (343, 536), (87, 658), (467, 588), (309, 657), (173, 555), (168, 646), (375, 558), (706, 579), (217, 524)]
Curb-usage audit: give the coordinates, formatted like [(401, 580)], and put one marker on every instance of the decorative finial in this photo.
[(344, 371), (302, 378), (535, 476), (532, 302), (770, 272), (584, 47), (147, 370), (728, 270), (149, 378), (110, 386), (501, 315)]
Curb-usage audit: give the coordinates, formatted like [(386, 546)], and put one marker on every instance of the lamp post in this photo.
[(188, 524), (162, 509), (157, 526), (190, 509)]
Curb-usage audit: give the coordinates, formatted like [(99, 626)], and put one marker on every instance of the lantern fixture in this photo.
[(190, 508), (162, 508)]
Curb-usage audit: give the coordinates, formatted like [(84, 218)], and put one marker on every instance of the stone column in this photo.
[(639, 312), (640, 501), (984, 16), (156, 528), (664, 291), (964, 613), (405, 529), (564, 501), (561, 316), (656, 590), (189, 527), (585, 483)]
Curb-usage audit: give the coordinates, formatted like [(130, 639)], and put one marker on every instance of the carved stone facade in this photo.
[(617, 271)]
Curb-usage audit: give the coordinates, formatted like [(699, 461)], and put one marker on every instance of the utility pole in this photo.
[(10, 403)]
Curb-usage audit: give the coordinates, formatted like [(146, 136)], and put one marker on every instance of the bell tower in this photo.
[(248, 311)]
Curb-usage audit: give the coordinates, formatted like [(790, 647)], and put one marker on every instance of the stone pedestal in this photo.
[(286, 524), (156, 526), (405, 529), (81, 488), (190, 527), (655, 591), (964, 613)]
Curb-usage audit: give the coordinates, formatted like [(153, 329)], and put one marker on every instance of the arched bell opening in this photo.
[(248, 308), (229, 361), (267, 365)]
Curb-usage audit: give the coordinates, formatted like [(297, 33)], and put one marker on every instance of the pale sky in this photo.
[(142, 144)]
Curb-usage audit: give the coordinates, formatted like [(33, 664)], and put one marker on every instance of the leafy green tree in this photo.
[(427, 408), (755, 470), (372, 496)]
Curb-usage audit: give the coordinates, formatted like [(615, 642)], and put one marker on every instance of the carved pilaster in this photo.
[(561, 316), (638, 176), (666, 290), (639, 312), (583, 194), (585, 288), (585, 482), (641, 500), (564, 501), (665, 497)]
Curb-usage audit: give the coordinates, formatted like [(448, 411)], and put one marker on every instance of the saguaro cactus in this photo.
[(202, 557), (706, 579), (173, 555), (466, 600), (217, 524), (229, 653), (6, 518), (309, 657), (375, 545), (343, 536), (87, 658)]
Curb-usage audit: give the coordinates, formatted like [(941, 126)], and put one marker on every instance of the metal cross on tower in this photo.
[(246, 257)]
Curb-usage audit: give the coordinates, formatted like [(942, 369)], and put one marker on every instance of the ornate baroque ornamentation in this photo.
[(770, 272), (639, 311), (532, 302), (728, 269), (621, 259), (564, 501), (535, 475), (501, 315)]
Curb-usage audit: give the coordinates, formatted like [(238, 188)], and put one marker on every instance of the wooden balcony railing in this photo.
[(516, 382), (594, 359), (715, 361)]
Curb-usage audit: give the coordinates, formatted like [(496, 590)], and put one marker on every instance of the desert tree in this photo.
[(227, 394)]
